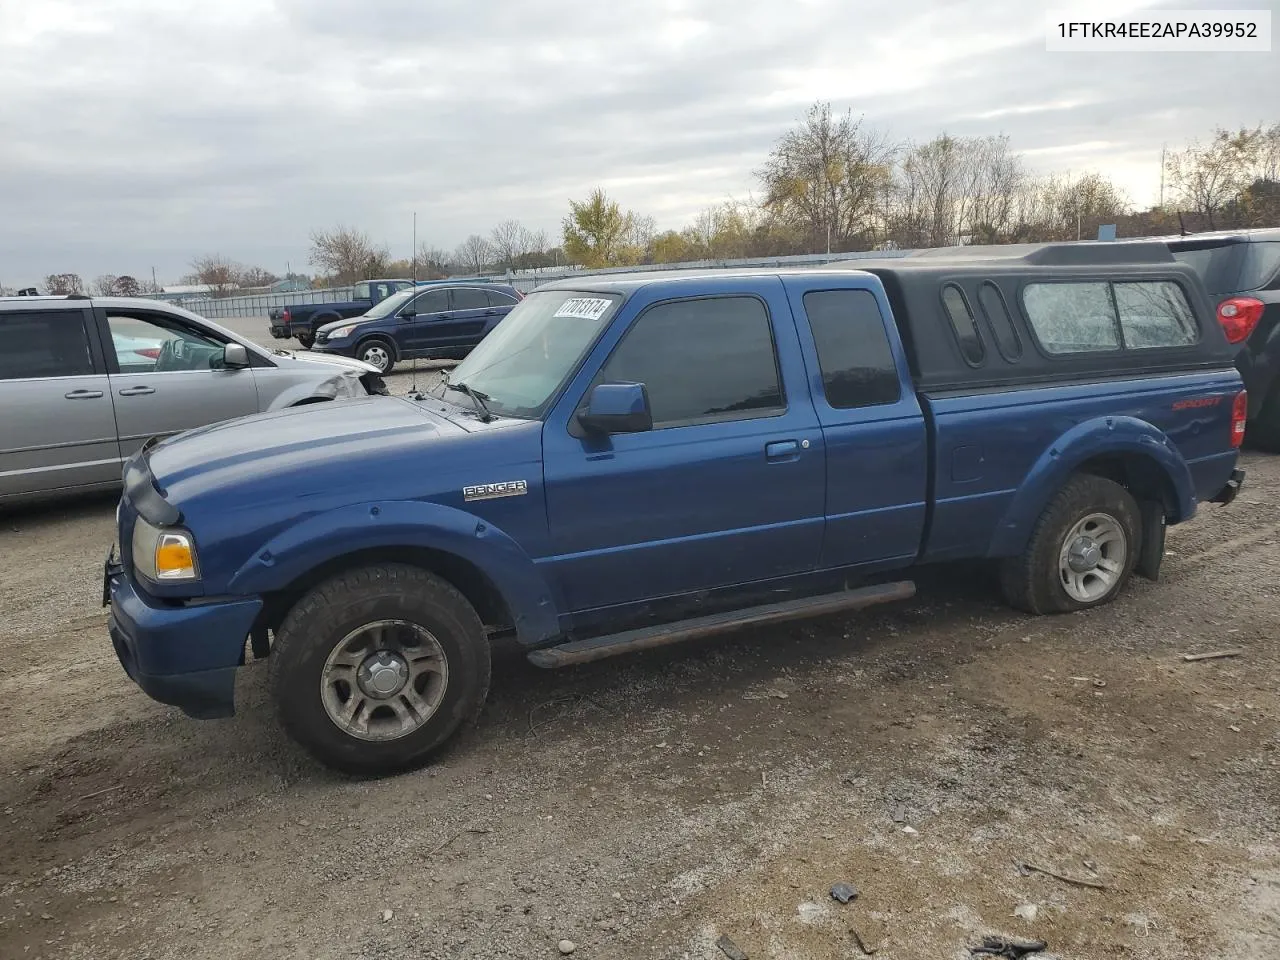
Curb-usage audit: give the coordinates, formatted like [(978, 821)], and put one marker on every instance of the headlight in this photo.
[(337, 333), (164, 555)]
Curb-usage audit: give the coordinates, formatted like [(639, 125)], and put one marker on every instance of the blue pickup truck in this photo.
[(301, 320), (632, 460)]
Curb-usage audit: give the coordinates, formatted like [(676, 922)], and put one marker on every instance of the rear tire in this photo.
[(379, 353), (1082, 551), (1263, 431), (378, 667)]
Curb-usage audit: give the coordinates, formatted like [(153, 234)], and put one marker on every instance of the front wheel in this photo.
[(1082, 551), (378, 354), (306, 340), (378, 667)]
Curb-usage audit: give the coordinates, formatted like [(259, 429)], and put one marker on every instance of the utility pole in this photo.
[(155, 287)]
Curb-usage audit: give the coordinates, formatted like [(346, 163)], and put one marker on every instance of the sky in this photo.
[(139, 134)]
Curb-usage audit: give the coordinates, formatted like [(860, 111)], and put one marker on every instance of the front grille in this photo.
[(322, 338)]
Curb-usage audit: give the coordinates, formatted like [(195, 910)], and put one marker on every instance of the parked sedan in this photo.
[(444, 321), (84, 383)]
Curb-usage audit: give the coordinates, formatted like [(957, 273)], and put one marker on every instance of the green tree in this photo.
[(597, 231)]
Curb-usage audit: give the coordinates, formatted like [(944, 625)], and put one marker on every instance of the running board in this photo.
[(598, 648)]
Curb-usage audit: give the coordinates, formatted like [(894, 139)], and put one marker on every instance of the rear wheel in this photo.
[(1082, 551), (1263, 431), (377, 353), (377, 668)]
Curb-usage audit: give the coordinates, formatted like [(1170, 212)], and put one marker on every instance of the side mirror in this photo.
[(235, 356), (408, 313), (617, 408)]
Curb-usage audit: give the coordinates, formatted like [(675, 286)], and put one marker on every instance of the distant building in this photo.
[(178, 292), (289, 285)]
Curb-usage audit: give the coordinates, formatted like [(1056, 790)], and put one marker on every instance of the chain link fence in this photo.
[(261, 305)]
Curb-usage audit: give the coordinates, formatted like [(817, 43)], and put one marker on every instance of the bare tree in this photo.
[(62, 284), (105, 285), (216, 272), (474, 254), (433, 262), (254, 277), (827, 176), (348, 255), (1207, 177), (510, 242)]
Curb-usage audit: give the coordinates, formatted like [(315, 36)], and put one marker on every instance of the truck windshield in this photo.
[(390, 305), (522, 364)]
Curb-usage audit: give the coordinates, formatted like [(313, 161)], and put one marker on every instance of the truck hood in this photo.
[(291, 442)]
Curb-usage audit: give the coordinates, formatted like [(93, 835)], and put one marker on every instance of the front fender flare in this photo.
[(1099, 437), (329, 536)]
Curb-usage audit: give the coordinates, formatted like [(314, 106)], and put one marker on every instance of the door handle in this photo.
[(137, 391), (782, 450), (84, 395)]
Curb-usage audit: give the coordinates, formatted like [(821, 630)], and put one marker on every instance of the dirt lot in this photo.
[(644, 807)]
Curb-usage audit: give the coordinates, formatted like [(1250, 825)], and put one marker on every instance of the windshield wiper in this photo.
[(477, 398)]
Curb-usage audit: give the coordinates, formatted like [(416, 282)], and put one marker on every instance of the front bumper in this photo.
[(184, 655), (342, 348), (1231, 490)]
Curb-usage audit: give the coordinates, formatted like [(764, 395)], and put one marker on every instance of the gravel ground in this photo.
[(644, 807)]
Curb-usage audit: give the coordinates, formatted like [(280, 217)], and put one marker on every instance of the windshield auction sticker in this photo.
[(584, 308)]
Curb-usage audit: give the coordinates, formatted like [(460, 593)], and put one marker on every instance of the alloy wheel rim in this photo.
[(1092, 558), (384, 680)]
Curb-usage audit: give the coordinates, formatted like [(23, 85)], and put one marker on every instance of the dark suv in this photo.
[(1241, 271), (440, 322)]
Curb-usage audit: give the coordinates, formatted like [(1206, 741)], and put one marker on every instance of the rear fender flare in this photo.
[(1099, 437), (329, 536)]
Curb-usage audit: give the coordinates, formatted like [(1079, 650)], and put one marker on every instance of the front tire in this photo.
[(377, 668), (377, 353), (1082, 551), (306, 340)]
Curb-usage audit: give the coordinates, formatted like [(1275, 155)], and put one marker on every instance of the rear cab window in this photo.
[(361, 292), (854, 355)]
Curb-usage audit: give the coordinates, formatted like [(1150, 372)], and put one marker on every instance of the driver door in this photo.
[(166, 378)]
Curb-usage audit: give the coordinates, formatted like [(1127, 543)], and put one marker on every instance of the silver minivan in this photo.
[(85, 382)]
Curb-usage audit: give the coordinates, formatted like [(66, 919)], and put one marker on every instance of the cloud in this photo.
[(140, 133)]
